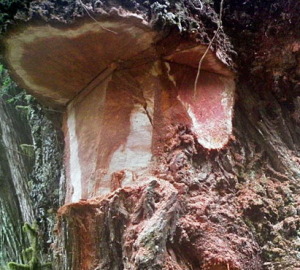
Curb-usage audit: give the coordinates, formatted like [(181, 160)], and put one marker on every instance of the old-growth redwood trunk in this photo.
[(15, 204), (30, 170), (160, 175)]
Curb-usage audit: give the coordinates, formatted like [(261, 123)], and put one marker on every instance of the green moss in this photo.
[(31, 254), (41, 146)]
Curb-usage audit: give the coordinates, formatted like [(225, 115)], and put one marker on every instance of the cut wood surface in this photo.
[(157, 177)]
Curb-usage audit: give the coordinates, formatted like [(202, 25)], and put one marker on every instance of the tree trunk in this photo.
[(208, 198), (30, 170)]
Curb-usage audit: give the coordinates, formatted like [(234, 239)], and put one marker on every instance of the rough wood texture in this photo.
[(14, 207), (232, 208), (30, 168)]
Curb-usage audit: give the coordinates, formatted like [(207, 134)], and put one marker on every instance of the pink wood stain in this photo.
[(210, 108)]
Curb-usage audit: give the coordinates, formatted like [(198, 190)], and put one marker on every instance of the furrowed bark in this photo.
[(154, 178)]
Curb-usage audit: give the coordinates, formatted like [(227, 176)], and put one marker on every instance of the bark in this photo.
[(11, 220), (16, 206), (231, 208), (30, 168), (17, 166)]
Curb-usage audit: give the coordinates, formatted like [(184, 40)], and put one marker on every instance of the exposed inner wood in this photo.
[(123, 92), (57, 63)]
